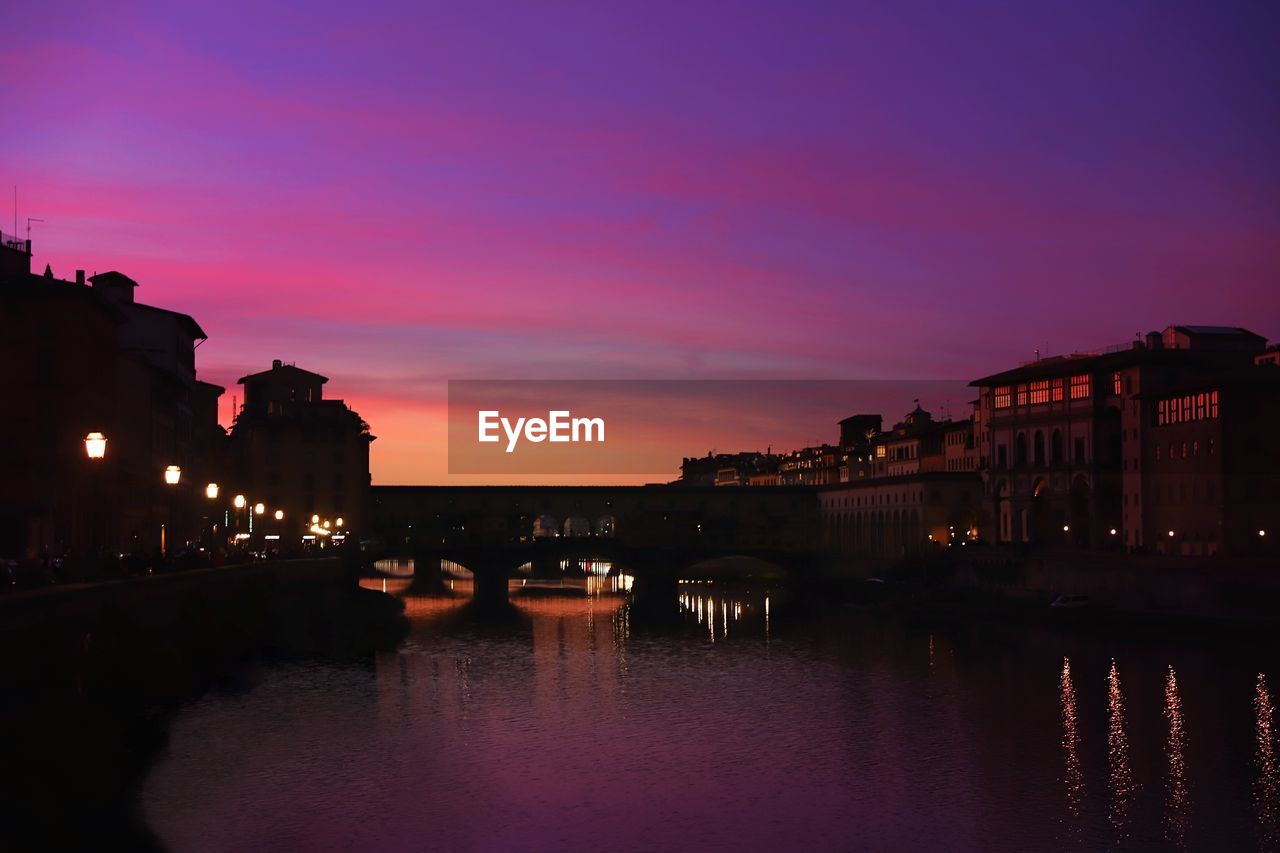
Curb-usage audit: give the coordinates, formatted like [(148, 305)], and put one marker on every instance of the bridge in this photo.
[(655, 532)]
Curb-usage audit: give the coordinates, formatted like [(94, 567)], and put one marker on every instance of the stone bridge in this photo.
[(655, 532)]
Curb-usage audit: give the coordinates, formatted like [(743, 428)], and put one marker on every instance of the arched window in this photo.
[(1055, 447), (1039, 449)]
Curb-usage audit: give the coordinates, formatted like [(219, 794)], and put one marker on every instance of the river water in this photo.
[(749, 726)]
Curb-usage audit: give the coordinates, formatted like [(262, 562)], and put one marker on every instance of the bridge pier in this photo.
[(655, 593), (491, 591)]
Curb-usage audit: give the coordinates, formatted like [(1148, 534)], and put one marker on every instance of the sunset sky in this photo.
[(402, 196)]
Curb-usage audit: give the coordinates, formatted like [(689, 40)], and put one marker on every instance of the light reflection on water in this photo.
[(1074, 776), (1120, 776), (1177, 793), (1267, 787), (578, 730)]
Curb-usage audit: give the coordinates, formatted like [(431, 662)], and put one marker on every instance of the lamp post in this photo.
[(95, 448)]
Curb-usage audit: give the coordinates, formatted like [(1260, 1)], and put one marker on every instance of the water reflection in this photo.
[(1177, 795), (1267, 788), (1073, 777), (1120, 775), (721, 608)]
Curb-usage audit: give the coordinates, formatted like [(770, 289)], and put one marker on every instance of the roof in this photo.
[(185, 319), (1217, 330), (283, 369), (112, 277)]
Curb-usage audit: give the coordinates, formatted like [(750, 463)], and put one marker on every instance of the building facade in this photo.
[(296, 456)]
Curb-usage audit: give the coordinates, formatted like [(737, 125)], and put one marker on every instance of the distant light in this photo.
[(342, 521), (211, 491), (326, 524), (1170, 534), (172, 475), (1262, 533), (1066, 528), (259, 508), (272, 536), (279, 515), (239, 501), (95, 445), (315, 519), (1113, 531)]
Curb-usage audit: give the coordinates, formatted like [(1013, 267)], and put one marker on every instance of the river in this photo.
[(752, 724)]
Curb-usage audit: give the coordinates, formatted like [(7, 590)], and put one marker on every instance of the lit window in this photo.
[(1115, 384), (1039, 392), (1002, 397), (1056, 393), (1213, 404), (1080, 386), (1021, 394), (1162, 412)]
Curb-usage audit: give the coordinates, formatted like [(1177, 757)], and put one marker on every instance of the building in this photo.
[(810, 466), (295, 455), (914, 445), (901, 516), (858, 434), (730, 469), (1061, 440), (87, 357), (1210, 465)]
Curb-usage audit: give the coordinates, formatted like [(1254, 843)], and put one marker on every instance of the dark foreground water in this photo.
[(750, 728)]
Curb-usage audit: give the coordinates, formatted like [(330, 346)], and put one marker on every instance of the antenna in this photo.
[(31, 219)]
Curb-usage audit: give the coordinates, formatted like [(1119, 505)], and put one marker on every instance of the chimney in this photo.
[(80, 277), (276, 364)]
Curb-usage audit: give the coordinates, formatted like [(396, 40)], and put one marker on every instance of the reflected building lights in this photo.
[(1073, 777), (1177, 793), (1120, 775), (1267, 788)]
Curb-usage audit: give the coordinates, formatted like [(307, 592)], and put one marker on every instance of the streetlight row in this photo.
[(95, 447)]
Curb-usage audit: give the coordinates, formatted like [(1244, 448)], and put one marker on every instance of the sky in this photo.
[(395, 195)]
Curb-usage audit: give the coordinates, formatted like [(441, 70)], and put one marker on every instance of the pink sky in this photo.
[(399, 196)]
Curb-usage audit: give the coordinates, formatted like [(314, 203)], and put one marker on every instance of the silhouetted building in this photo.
[(302, 455), (1063, 438), (729, 469), (858, 434), (96, 360), (1210, 466)]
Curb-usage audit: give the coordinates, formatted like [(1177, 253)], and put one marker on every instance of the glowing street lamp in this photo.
[(326, 524), (211, 491), (279, 515), (172, 475), (239, 501), (95, 445), (340, 521), (315, 519), (259, 508), (1170, 534)]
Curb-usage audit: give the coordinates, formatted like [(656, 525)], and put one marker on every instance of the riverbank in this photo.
[(93, 673)]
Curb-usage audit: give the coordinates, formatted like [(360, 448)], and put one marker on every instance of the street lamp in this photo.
[(315, 519), (259, 508), (172, 475), (211, 491), (95, 445), (340, 521), (239, 501), (279, 515)]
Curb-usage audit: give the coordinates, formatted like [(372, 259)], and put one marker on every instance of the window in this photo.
[(1157, 453), (1080, 386), (1021, 394), (1002, 397), (1115, 384), (1195, 448), (1056, 391), (1039, 392), (1162, 413), (1002, 456), (1213, 404)]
